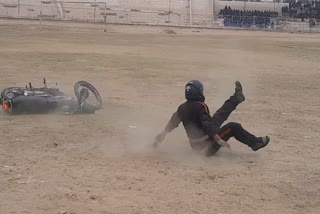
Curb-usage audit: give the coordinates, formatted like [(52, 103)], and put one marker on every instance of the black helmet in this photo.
[(194, 91)]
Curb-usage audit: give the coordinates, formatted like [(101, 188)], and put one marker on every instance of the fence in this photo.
[(167, 15), (90, 12)]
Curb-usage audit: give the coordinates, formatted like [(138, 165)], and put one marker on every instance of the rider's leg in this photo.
[(238, 132), (222, 114)]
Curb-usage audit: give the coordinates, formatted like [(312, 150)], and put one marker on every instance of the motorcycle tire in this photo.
[(83, 84)]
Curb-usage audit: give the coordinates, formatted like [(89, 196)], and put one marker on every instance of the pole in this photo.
[(95, 8), (105, 16), (169, 12), (213, 9), (19, 7), (190, 11), (41, 16)]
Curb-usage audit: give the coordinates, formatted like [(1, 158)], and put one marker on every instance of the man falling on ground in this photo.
[(205, 132)]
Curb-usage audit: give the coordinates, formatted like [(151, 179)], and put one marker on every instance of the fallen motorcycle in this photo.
[(45, 100)]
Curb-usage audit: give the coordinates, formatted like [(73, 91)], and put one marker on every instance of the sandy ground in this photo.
[(103, 163)]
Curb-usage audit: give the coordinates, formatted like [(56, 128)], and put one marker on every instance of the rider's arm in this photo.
[(206, 121), (172, 124)]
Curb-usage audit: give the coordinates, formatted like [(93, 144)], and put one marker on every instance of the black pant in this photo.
[(227, 131)]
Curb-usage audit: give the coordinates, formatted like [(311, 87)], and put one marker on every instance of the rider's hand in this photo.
[(159, 138), (221, 142), (224, 144)]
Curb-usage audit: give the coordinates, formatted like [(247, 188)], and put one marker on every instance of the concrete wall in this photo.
[(182, 12), (293, 26), (198, 7)]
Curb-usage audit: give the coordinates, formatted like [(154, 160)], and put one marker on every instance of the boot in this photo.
[(263, 141), (238, 92)]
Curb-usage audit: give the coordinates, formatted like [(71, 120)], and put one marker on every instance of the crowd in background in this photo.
[(227, 11), (248, 18), (302, 10)]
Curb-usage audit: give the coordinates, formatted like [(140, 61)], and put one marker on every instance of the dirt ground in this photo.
[(103, 163)]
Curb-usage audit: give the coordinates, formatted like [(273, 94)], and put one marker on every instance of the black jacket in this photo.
[(196, 119)]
